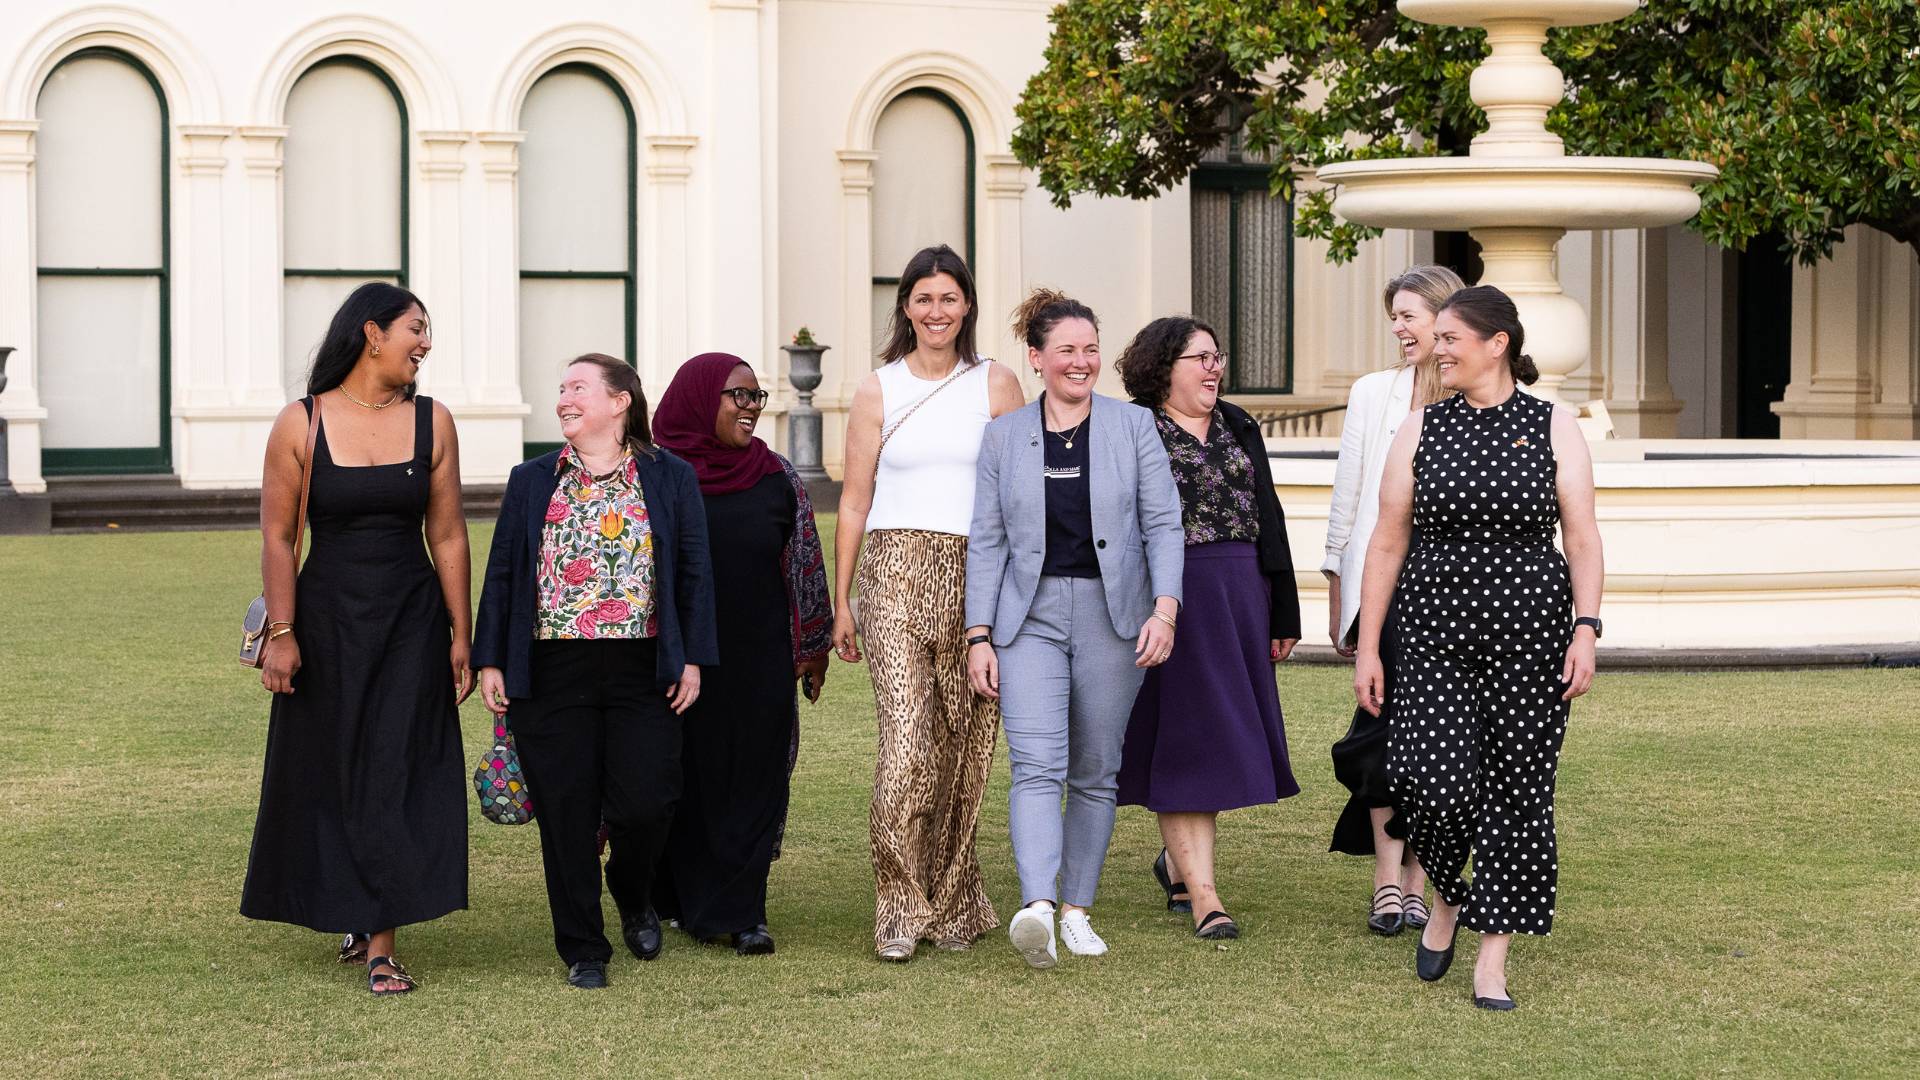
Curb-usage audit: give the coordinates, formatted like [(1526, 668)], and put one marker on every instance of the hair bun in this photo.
[(1036, 302), (1525, 370)]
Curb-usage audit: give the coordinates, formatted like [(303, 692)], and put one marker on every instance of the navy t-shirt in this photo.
[(1069, 506)]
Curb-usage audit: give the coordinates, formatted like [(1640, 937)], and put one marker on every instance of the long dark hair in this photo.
[(939, 259), (622, 379), (375, 302), (1044, 309), (1488, 311), (1146, 364)]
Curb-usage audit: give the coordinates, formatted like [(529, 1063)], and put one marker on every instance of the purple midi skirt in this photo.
[(1206, 734)]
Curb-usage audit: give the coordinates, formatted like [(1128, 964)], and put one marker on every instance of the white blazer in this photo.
[(1376, 407)]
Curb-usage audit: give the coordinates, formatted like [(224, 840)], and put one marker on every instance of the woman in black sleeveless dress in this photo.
[(1491, 652), (362, 824)]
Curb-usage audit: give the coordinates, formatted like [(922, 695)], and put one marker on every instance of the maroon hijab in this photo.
[(683, 423)]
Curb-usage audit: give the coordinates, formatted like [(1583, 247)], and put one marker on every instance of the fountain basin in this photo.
[(1464, 193), (1544, 12)]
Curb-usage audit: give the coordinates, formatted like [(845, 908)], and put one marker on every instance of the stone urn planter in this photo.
[(804, 436)]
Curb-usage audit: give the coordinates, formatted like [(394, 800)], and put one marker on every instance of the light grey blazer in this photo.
[(1137, 533)]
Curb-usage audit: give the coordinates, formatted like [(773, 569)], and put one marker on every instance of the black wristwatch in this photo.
[(978, 639), (1588, 620)]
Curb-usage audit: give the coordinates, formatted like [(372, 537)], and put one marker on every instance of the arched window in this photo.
[(922, 189), (101, 237), (1243, 267), (345, 202), (578, 236)]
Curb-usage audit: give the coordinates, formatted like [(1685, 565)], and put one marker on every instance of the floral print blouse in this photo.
[(1215, 481), (596, 555)]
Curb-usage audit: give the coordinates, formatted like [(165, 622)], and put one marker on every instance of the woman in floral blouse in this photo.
[(1205, 734), (595, 620)]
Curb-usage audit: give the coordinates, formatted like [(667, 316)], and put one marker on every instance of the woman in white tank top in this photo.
[(913, 435)]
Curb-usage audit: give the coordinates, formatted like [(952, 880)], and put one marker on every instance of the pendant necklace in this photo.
[(1069, 436)]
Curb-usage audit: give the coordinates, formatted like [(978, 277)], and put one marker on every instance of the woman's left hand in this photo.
[(1155, 644), (1281, 648), (1577, 672), (461, 655), (814, 672), (682, 695)]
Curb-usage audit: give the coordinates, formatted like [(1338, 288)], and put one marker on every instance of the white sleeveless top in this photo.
[(927, 468)]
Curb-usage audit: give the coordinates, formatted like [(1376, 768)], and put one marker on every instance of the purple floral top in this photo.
[(596, 556), (1215, 481)]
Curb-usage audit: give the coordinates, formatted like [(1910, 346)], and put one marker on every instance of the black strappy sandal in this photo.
[(1172, 888), (353, 948), (1217, 926), (1385, 923), (397, 975), (1414, 919)]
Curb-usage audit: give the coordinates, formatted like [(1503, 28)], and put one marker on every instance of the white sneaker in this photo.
[(1031, 930), (1079, 935)]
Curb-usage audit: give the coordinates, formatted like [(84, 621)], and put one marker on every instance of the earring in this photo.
[(376, 350)]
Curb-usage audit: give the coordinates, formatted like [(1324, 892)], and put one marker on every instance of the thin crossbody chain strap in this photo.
[(959, 369)]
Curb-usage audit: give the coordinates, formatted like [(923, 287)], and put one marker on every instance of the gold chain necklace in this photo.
[(343, 390)]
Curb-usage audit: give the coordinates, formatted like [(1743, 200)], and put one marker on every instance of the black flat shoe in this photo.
[(641, 932), (1413, 912), (1429, 964), (1493, 1004), (1171, 887), (755, 942), (1385, 923), (588, 975), (1217, 926)]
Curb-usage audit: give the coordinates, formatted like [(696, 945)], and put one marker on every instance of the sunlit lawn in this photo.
[(1740, 894)]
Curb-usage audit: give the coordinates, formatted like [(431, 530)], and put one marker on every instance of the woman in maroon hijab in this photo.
[(775, 616)]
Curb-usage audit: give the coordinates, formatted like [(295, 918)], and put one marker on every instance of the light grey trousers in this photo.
[(1067, 684)]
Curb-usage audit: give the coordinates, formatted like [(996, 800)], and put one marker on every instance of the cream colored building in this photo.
[(188, 187)]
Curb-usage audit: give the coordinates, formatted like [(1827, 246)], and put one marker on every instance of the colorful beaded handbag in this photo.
[(499, 783)]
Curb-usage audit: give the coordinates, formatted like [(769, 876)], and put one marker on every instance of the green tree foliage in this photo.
[(1810, 108)]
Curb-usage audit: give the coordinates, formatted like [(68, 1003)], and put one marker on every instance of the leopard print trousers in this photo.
[(936, 740)]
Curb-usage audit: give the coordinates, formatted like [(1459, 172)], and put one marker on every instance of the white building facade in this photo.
[(188, 188)]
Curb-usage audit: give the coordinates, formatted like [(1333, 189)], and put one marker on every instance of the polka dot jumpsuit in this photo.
[(1485, 609)]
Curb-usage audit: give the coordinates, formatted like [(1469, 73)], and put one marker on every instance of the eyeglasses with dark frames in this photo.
[(746, 398), (1209, 361)]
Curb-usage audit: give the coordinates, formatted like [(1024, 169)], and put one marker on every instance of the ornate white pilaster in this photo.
[(1629, 311), (439, 268), (735, 304), (1856, 348), (999, 275), (261, 360), (666, 263), (20, 402), (857, 331), (499, 291), (200, 375)]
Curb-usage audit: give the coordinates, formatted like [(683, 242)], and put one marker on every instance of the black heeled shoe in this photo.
[(1172, 888), (1494, 1004), (1431, 964), (1385, 923)]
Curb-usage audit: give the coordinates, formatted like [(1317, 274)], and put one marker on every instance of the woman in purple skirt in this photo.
[(1205, 734)]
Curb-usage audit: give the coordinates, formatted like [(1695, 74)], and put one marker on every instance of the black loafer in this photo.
[(1431, 964), (641, 932), (755, 942), (1493, 1004), (588, 975)]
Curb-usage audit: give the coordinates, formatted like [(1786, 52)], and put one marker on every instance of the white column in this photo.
[(999, 277), (256, 368), (437, 266), (499, 375), (20, 402), (855, 347), (1856, 345), (666, 263), (735, 304), (1630, 332), (200, 375)]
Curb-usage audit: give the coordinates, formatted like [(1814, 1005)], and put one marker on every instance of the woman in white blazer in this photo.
[(1376, 407)]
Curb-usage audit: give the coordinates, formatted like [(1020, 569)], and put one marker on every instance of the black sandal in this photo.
[(1385, 923), (1416, 920), (353, 948), (1217, 926), (398, 975), (1172, 888)]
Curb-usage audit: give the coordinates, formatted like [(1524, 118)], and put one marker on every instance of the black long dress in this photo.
[(363, 822), (713, 877)]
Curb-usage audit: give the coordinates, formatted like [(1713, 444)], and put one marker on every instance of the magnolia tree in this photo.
[(1810, 108)]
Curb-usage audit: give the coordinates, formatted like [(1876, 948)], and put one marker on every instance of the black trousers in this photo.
[(597, 742)]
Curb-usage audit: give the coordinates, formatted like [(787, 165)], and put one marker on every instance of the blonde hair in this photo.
[(1433, 285)]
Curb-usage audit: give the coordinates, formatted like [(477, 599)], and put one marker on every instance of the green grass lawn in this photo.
[(1739, 895)]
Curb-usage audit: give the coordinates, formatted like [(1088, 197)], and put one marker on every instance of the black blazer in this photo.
[(1276, 557), (683, 570)]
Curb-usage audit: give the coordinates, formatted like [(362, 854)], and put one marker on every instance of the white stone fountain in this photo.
[(1517, 191)]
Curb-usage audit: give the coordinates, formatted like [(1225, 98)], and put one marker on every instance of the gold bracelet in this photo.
[(285, 629), (271, 625), (1165, 618)]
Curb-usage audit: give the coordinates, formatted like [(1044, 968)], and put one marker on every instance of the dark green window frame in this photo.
[(1243, 180), (631, 276), (132, 459), (972, 187)]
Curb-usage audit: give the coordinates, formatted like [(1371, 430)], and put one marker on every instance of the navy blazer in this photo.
[(683, 570)]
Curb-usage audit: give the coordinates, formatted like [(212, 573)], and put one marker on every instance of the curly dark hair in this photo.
[(1146, 364)]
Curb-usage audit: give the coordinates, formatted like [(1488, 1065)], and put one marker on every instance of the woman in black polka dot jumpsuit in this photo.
[(1491, 653)]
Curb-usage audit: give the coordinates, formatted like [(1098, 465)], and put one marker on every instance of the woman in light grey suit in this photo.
[(1074, 568)]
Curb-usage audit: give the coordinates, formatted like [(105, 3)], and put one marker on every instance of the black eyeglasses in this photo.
[(745, 398), (1209, 361)]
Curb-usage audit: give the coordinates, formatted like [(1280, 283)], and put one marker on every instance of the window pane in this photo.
[(310, 304), (574, 175), (342, 171), (559, 320), (1212, 255), (920, 191), (100, 361), (99, 166), (1260, 356)]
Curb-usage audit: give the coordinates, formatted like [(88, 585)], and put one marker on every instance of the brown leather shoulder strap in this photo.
[(306, 478)]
